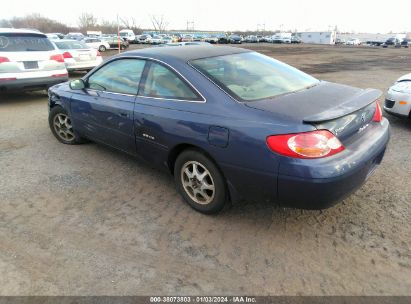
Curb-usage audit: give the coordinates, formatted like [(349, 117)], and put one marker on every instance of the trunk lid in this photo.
[(343, 110)]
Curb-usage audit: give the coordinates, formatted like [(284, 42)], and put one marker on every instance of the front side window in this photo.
[(161, 82), (119, 76), (252, 76)]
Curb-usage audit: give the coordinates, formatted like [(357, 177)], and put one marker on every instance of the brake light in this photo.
[(4, 59), (315, 144), (67, 55), (98, 53), (57, 57), (378, 113), (60, 75)]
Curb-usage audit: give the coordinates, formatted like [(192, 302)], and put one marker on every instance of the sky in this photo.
[(378, 16)]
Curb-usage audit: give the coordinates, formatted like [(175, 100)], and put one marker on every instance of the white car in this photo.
[(29, 61), (97, 44), (398, 97), (53, 37), (353, 41), (78, 56), (156, 39), (128, 35)]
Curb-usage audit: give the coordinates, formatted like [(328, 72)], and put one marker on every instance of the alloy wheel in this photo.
[(62, 126), (197, 182)]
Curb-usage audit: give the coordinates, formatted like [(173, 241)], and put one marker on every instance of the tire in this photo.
[(60, 125), (122, 47), (102, 48), (192, 171)]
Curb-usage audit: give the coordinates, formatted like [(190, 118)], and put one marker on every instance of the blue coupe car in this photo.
[(228, 123)]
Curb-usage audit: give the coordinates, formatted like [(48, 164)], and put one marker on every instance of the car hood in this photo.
[(405, 77)]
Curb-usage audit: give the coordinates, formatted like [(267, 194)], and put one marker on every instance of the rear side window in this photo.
[(119, 76), (72, 45), (161, 82), (22, 42)]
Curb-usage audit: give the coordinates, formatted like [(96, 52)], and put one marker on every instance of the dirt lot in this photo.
[(87, 220)]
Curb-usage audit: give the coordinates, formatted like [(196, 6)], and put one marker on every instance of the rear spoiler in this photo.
[(358, 101)]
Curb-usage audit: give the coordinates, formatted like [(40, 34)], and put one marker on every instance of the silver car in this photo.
[(29, 61), (398, 97), (78, 56)]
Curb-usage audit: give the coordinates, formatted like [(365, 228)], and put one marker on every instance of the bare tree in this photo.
[(131, 24), (159, 23), (36, 21), (87, 21)]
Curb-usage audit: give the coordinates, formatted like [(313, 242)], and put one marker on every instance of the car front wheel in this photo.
[(61, 127), (102, 48), (200, 182)]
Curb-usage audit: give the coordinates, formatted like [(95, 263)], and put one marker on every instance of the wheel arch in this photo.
[(233, 194)]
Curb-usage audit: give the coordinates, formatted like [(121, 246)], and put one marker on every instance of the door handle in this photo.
[(122, 114)]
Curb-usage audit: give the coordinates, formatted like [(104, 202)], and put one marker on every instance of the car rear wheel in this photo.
[(200, 182), (61, 127), (102, 48)]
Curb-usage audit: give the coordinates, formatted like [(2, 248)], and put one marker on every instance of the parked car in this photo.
[(212, 39), (78, 56), (156, 40), (127, 35), (287, 136), (295, 39), (29, 61), (223, 39), (144, 39), (187, 38), (406, 42), (398, 97), (74, 36), (260, 38), (353, 41), (53, 37), (97, 44), (391, 41), (251, 39), (114, 42), (235, 39)]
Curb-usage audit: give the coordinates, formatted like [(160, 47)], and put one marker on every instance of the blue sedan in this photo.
[(228, 124)]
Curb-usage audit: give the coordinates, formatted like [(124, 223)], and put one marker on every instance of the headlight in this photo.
[(402, 86)]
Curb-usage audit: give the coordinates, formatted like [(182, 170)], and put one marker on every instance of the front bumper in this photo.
[(392, 103), (321, 183), (32, 83)]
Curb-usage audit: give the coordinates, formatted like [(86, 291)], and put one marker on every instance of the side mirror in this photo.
[(77, 84)]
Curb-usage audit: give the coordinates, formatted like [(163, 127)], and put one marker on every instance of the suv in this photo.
[(29, 61)]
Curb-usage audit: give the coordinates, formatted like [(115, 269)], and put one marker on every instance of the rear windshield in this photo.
[(21, 42), (71, 45), (253, 76)]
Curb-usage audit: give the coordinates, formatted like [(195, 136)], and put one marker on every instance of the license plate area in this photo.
[(30, 65), (84, 57)]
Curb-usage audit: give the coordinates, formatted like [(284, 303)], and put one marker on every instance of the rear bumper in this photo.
[(32, 83), (321, 183)]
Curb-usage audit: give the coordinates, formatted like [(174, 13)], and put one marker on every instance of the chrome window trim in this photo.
[(110, 92), (204, 100)]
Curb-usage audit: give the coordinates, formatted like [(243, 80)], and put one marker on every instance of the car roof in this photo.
[(14, 30), (186, 54)]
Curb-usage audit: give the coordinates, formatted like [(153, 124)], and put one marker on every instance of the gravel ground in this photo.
[(88, 220)]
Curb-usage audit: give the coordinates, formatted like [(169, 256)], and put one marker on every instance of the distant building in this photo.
[(318, 37)]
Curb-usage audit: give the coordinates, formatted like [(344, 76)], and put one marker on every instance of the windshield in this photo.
[(17, 42), (71, 45), (252, 76), (123, 34)]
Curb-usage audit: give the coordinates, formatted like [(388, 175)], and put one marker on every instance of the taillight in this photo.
[(378, 113), (98, 53), (4, 59), (57, 57), (67, 55), (315, 144)]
